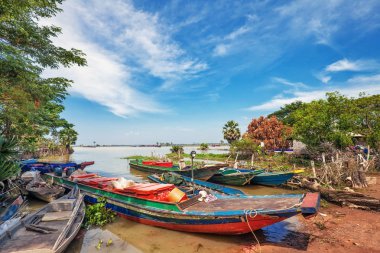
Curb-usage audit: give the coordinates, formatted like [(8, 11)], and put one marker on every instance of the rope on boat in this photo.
[(249, 212)]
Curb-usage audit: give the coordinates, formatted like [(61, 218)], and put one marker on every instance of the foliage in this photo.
[(67, 136), (8, 154), (30, 104), (272, 132), (98, 215), (336, 119), (177, 149), (231, 132), (203, 146), (285, 114), (245, 147)]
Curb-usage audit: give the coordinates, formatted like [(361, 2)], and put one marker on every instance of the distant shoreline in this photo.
[(151, 145)]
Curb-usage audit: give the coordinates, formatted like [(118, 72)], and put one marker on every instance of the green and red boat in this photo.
[(151, 204), (203, 173)]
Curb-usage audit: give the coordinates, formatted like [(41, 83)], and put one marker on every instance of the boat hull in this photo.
[(272, 179), (232, 179), (204, 173)]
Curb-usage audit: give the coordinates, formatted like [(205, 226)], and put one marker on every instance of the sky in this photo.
[(177, 71)]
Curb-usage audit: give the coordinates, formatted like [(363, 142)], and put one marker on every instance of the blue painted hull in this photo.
[(272, 178), (44, 167)]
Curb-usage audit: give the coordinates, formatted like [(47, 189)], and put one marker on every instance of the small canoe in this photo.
[(186, 185), (272, 178), (9, 207), (203, 173), (232, 176), (48, 230), (39, 189)]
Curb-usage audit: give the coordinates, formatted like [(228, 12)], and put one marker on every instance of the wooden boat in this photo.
[(227, 214), (203, 173), (50, 229), (185, 184), (38, 188), (232, 176), (45, 167), (9, 207), (272, 178)]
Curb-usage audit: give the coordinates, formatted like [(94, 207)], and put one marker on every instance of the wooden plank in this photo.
[(51, 216)]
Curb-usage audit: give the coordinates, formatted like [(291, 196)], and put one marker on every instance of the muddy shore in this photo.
[(336, 229)]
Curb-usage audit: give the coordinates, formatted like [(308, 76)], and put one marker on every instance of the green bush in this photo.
[(98, 215)]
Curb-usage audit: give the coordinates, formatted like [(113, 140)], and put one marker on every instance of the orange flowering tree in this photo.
[(272, 132)]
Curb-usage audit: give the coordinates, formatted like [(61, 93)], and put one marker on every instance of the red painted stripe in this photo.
[(224, 228)]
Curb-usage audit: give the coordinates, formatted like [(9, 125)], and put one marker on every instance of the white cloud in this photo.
[(141, 39), (121, 44), (347, 65), (368, 84), (105, 80), (221, 50), (295, 85)]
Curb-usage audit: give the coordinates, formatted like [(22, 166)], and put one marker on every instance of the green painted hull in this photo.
[(238, 179)]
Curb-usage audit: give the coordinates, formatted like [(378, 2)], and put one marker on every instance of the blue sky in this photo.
[(176, 71)]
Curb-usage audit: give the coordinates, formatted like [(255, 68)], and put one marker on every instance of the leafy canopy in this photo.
[(30, 104)]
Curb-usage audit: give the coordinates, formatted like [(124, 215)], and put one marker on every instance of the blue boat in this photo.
[(186, 186), (46, 167), (9, 207), (272, 178)]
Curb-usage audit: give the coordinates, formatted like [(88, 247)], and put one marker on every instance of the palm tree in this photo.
[(8, 155), (231, 132)]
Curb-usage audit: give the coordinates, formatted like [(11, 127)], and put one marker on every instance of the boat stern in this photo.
[(310, 204)]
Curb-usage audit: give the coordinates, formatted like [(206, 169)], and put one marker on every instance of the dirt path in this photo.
[(335, 229)]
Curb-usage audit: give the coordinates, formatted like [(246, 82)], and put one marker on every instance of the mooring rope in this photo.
[(249, 212)]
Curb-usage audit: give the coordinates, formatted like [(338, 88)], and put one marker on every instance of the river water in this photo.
[(128, 236)]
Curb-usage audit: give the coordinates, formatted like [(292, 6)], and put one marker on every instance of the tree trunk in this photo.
[(343, 198)]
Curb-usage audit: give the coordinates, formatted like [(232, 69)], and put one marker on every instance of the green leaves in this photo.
[(337, 119), (98, 215), (30, 104), (231, 131), (8, 154)]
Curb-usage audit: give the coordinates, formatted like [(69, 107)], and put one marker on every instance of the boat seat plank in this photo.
[(245, 204), (52, 216)]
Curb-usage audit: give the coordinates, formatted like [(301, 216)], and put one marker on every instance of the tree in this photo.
[(203, 146), (245, 147), (67, 137), (231, 132), (368, 123), (177, 149), (272, 132), (8, 154), (30, 104), (285, 114), (331, 120)]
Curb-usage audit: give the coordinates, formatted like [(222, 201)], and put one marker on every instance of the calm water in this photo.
[(130, 236)]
